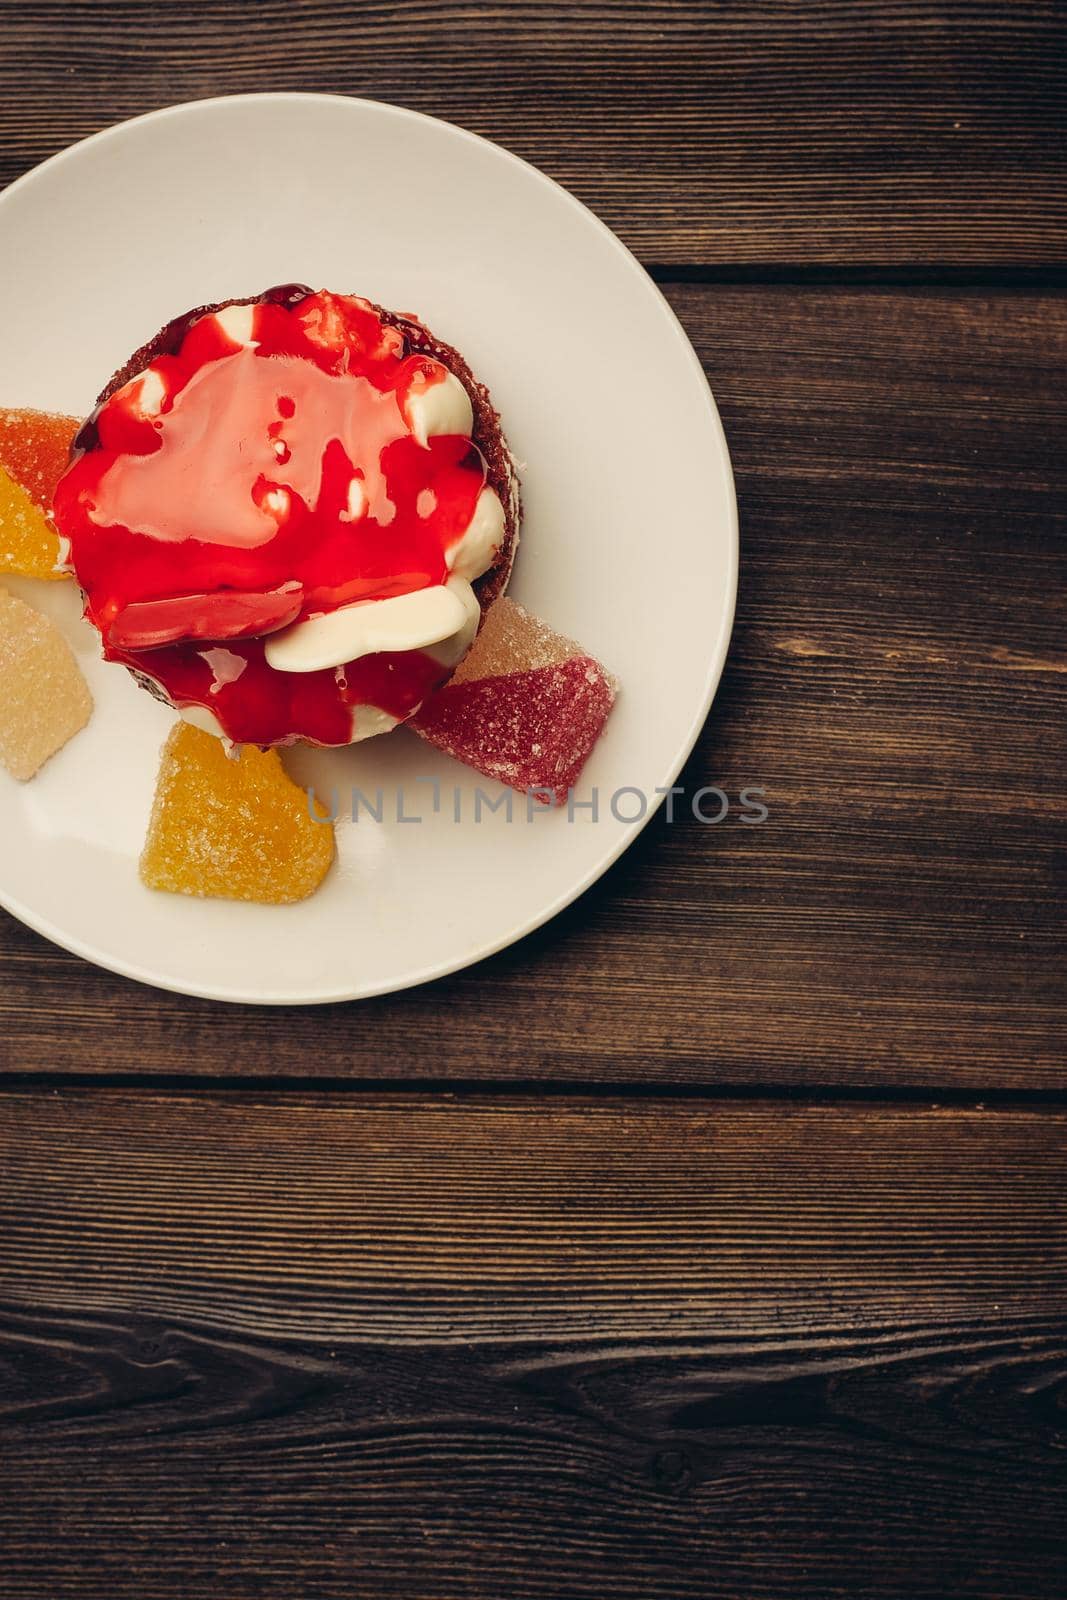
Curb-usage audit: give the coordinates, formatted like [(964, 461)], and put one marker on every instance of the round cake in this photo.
[(288, 515)]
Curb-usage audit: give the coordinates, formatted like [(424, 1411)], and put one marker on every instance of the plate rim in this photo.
[(717, 659)]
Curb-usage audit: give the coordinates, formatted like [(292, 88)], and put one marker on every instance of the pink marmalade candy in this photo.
[(526, 706)]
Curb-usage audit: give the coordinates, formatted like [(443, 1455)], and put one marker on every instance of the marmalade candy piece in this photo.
[(29, 545), (511, 639), (235, 827), (34, 451), (44, 700), (525, 706)]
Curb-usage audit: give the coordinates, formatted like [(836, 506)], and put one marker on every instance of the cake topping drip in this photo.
[(275, 462)]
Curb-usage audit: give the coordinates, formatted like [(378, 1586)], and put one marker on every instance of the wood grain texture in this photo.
[(896, 683), (536, 1346), (410, 1347), (859, 131)]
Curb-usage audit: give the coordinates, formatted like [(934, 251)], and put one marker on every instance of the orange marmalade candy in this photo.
[(234, 827), (34, 450), (44, 700)]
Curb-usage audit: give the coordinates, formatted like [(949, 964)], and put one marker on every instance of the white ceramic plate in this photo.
[(629, 541)]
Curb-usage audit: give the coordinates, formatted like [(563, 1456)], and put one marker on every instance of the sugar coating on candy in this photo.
[(35, 450), (526, 707), (29, 546), (512, 639), (44, 700), (235, 827)]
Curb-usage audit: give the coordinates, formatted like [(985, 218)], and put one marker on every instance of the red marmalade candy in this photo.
[(262, 463), (526, 706)]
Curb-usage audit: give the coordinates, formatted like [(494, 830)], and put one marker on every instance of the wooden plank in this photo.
[(858, 132), (896, 683), (403, 1346)]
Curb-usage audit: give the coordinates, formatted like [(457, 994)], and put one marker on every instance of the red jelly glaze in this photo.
[(225, 614), (224, 473)]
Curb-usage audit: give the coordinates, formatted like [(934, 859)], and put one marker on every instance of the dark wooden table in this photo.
[(711, 1242)]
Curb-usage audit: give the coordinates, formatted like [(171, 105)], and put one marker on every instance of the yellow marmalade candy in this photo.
[(29, 545), (235, 827)]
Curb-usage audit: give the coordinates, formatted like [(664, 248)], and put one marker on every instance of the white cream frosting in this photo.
[(450, 652), (202, 718), (357, 501), (443, 406), (238, 324), (402, 622), (226, 666), (369, 721), (475, 550)]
